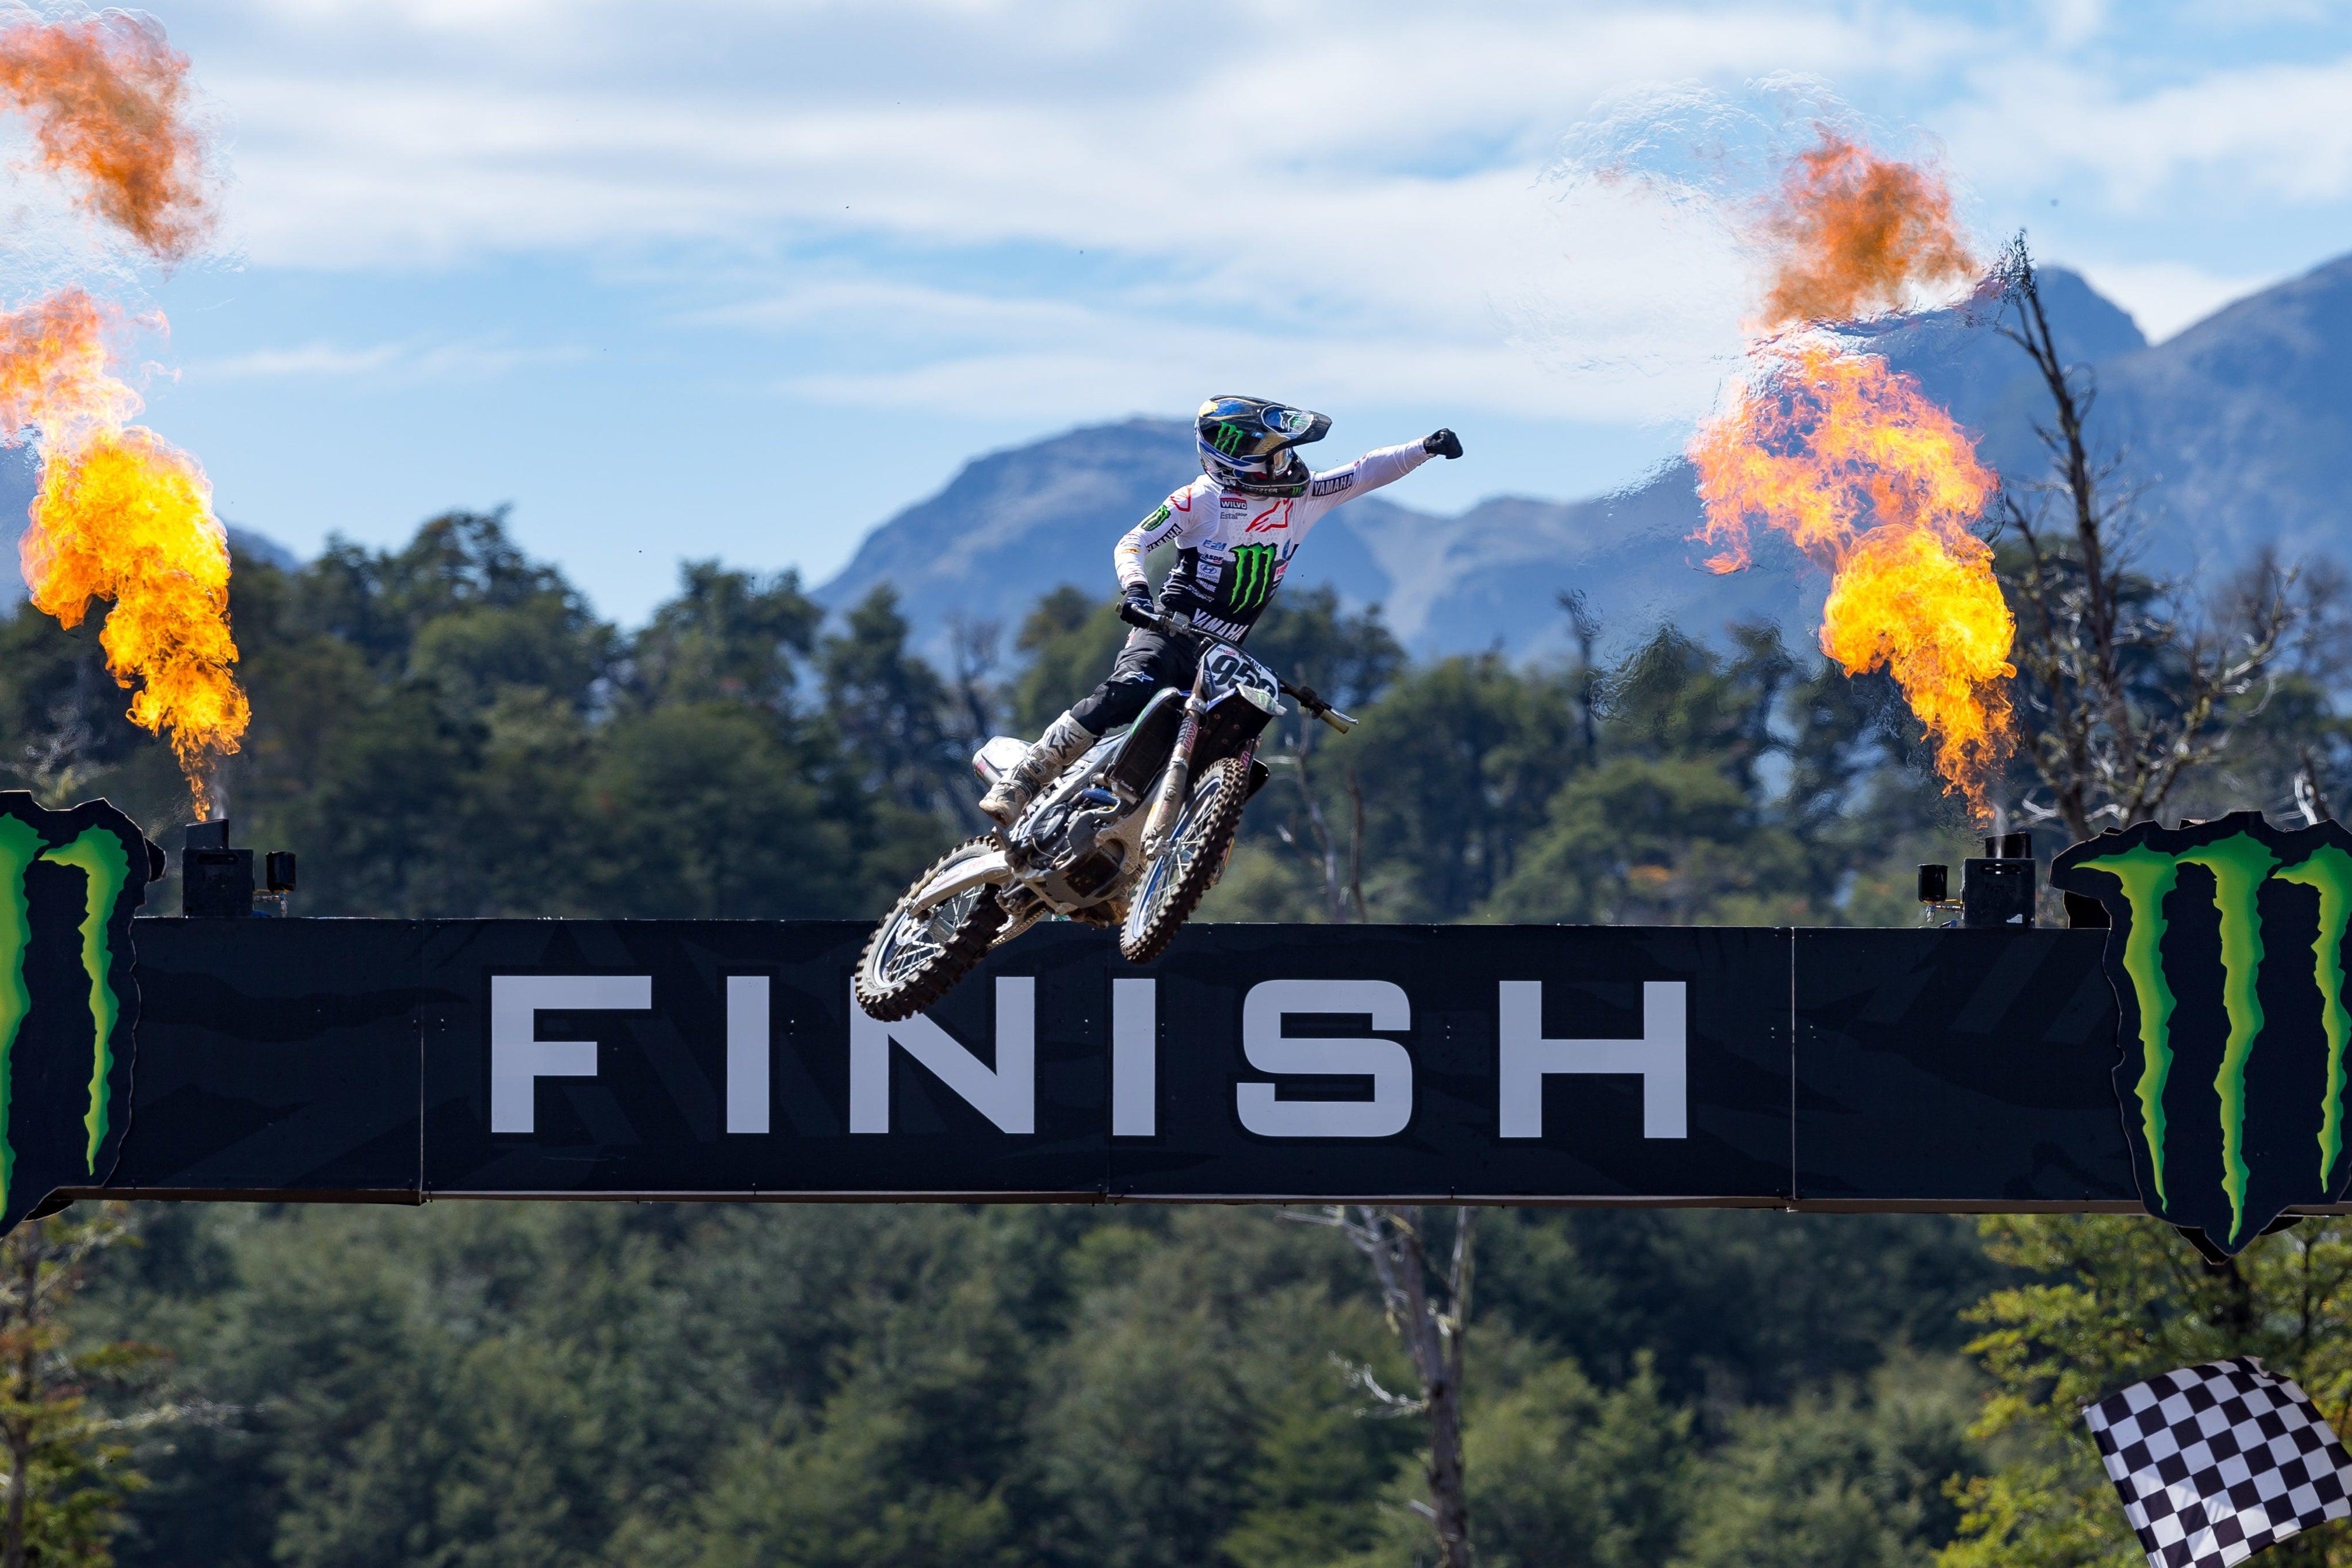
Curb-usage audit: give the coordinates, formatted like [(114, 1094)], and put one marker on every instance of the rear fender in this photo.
[(1000, 757)]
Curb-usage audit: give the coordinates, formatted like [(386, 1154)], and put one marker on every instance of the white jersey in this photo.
[(1232, 547)]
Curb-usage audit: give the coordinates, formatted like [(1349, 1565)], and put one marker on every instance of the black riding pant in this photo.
[(1149, 661)]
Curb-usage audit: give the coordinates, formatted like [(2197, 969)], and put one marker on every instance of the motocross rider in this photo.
[(1235, 529)]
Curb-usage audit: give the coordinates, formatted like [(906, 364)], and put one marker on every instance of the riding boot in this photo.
[(1063, 742)]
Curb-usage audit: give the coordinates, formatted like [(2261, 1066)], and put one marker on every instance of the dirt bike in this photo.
[(1131, 835)]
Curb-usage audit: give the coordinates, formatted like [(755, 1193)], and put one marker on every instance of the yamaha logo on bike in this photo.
[(2225, 946), (69, 999)]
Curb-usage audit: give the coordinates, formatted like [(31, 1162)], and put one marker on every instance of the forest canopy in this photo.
[(446, 729)]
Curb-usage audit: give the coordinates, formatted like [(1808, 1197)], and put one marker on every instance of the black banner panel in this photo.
[(1957, 1068), (276, 1058), (334, 1059)]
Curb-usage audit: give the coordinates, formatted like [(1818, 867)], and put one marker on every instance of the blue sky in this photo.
[(717, 277)]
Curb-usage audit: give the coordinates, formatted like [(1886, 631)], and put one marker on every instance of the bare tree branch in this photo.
[(2130, 684)]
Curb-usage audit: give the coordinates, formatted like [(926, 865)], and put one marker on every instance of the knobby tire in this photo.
[(1213, 834), (964, 943)]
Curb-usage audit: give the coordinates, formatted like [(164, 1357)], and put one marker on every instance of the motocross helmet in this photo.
[(1246, 443)]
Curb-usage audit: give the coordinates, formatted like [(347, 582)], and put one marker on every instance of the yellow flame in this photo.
[(123, 516), (1852, 462), (1872, 480)]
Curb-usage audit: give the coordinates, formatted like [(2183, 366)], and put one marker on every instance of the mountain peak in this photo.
[(2240, 423)]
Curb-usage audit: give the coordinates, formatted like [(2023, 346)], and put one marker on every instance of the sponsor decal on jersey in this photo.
[(69, 998), (1158, 517), (2225, 949), (1250, 577), (1333, 484), (1258, 525), (1230, 630)]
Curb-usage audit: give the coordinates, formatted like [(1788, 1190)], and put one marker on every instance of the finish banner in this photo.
[(402, 1061)]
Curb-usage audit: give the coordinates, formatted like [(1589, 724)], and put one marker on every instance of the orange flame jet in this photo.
[(120, 514), (1851, 461), (123, 515), (1877, 484), (108, 98)]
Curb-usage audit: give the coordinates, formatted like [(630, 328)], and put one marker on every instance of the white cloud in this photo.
[(2277, 128), (1326, 196), (400, 363)]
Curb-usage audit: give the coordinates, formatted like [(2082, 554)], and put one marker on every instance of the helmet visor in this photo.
[(1247, 433)]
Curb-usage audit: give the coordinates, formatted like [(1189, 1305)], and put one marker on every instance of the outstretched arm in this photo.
[(1383, 466)]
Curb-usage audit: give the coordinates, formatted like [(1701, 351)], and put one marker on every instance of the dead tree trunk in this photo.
[(2133, 684), (1432, 1328)]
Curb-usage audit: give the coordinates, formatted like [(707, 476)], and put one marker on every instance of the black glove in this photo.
[(1441, 444), (1134, 606)]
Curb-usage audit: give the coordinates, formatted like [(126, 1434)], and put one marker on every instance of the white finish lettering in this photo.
[(747, 1053), (1269, 1049), (1661, 1058), (1006, 1096), (520, 1058), (1134, 1058)]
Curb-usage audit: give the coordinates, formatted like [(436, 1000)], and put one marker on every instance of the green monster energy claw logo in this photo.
[(1249, 576), (81, 872), (2139, 877), (1229, 438)]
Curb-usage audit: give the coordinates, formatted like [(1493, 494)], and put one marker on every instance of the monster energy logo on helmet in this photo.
[(69, 998), (2226, 953), (1249, 578)]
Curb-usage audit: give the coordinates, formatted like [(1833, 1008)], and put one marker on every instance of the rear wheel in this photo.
[(1172, 884), (912, 958)]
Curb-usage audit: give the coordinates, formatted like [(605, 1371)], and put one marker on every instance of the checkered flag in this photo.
[(2216, 1462)]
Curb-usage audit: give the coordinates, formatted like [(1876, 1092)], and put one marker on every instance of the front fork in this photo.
[(1177, 781)]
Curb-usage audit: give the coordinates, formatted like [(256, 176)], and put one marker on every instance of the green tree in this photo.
[(1644, 841), (727, 636), (2111, 1300), (701, 811), (1854, 1476), (1456, 764), (1071, 637), (891, 709), (67, 1453), (1562, 1470)]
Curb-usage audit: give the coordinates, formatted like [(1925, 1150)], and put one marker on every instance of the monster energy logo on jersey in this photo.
[(69, 999), (1249, 578), (2225, 948)]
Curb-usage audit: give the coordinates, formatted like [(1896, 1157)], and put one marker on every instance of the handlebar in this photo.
[(1152, 620), (1339, 721)]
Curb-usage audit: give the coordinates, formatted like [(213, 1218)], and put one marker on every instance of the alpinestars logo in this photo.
[(1249, 576), (2226, 953), (68, 997)]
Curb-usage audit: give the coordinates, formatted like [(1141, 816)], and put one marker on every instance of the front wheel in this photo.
[(1173, 884), (912, 958)]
